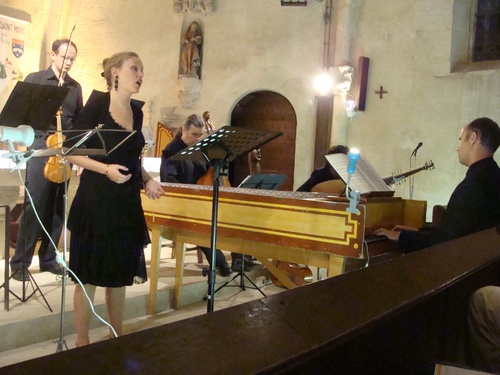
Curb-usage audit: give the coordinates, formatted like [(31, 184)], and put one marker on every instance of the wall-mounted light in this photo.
[(334, 81), (350, 105), (324, 84)]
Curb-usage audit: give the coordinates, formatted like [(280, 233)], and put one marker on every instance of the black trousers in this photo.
[(48, 202)]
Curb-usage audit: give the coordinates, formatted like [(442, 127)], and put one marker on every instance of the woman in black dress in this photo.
[(108, 229)]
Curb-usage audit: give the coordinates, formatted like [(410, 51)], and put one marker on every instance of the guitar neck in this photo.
[(395, 179)]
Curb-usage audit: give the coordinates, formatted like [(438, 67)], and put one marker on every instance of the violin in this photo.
[(57, 169), (299, 275)]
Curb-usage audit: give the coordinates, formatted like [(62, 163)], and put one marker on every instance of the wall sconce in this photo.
[(350, 105), (324, 84), (335, 81), (342, 76)]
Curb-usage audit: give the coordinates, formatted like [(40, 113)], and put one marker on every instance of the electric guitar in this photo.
[(393, 180)]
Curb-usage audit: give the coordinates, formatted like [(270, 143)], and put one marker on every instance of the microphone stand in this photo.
[(17, 157), (413, 162), (61, 343)]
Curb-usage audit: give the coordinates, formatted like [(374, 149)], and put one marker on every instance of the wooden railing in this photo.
[(397, 317)]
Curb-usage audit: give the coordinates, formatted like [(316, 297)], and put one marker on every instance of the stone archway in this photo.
[(267, 110)]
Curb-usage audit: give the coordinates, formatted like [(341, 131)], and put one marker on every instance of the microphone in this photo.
[(353, 157), (420, 144)]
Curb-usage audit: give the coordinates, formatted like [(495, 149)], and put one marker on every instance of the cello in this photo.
[(209, 177)]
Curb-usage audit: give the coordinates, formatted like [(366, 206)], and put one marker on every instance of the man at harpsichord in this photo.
[(475, 204), (191, 172)]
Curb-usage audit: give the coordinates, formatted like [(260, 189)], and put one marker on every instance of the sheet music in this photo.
[(365, 178)]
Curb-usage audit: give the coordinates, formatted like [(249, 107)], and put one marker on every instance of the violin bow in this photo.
[(60, 79)]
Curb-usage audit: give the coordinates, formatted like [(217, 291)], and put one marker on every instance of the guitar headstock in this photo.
[(428, 165)]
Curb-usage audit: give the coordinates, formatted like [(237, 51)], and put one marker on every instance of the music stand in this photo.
[(218, 149), (269, 181), (34, 105)]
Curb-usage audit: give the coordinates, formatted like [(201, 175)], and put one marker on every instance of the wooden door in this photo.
[(266, 110)]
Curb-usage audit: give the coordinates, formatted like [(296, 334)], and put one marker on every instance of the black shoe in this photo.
[(251, 261), (224, 270), (55, 268), (249, 265), (20, 275)]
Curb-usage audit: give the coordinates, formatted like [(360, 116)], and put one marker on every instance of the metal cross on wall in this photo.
[(381, 92)]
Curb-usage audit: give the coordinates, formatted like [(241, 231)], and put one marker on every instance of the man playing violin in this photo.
[(47, 196)]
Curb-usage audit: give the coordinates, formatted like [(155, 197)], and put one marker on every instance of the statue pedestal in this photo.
[(188, 88)]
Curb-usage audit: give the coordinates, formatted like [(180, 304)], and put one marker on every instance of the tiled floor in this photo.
[(30, 330)]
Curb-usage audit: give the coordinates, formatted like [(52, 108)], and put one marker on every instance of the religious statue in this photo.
[(209, 127), (254, 158), (191, 52)]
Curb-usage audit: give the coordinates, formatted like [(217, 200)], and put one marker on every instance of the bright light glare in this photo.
[(323, 84)]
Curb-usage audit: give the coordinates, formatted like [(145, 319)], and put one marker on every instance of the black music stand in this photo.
[(34, 105), (269, 181), (218, 149)]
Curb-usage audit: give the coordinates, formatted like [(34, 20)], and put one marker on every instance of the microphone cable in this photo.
[(59, 256)]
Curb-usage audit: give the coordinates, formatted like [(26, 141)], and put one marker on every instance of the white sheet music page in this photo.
[(365, 178)]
